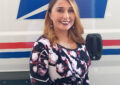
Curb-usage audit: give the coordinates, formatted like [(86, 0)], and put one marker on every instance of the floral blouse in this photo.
[(57, 65)]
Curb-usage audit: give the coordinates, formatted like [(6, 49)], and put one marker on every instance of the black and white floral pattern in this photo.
[(57, 65)]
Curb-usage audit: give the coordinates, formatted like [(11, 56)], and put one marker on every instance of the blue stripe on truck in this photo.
[(26, 54), (111, 52)]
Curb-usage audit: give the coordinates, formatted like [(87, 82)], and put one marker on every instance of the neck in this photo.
[(64, 40), (62, 36)]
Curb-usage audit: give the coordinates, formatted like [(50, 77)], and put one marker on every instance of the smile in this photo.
[(65, 22)]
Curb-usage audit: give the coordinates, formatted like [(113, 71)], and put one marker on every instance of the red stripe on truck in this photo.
[(111, 42), (16, 45)]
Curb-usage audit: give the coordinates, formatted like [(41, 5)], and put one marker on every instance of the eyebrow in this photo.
[(63, 7)]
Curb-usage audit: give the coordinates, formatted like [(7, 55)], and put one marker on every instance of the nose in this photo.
[(66, 15)]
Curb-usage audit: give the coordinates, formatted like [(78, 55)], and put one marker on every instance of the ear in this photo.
[(50, 16)]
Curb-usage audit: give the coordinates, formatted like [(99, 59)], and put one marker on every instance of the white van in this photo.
[(22, 21)]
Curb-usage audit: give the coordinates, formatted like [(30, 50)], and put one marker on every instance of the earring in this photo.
[(51, 25)]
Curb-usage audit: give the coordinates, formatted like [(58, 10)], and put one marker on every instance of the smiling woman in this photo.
[(55, 16), (59, 56), (63, 16)]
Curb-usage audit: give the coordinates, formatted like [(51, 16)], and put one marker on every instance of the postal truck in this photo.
[(22, 22)]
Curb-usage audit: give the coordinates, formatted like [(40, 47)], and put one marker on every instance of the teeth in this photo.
[(65, 22)]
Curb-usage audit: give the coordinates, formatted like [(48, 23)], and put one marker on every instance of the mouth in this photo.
[(65, 22)]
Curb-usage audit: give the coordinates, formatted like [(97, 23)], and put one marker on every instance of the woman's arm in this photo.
[(39, 65)]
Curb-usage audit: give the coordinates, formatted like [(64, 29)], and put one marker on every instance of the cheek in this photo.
[(54, 18), (73, 17), (73, 20)]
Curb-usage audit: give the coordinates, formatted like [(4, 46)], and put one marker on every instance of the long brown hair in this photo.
[(75, 32)]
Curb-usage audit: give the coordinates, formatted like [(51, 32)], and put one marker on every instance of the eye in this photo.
[(60, 10), (71, 10)]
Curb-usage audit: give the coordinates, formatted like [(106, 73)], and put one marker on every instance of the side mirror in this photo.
[(94, 46)]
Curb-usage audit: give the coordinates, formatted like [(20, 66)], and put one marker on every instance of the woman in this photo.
[(59, 56)]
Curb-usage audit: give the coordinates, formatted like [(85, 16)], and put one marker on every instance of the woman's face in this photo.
[(62, 15)]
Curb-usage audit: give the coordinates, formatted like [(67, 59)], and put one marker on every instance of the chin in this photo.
[(65, 28)]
